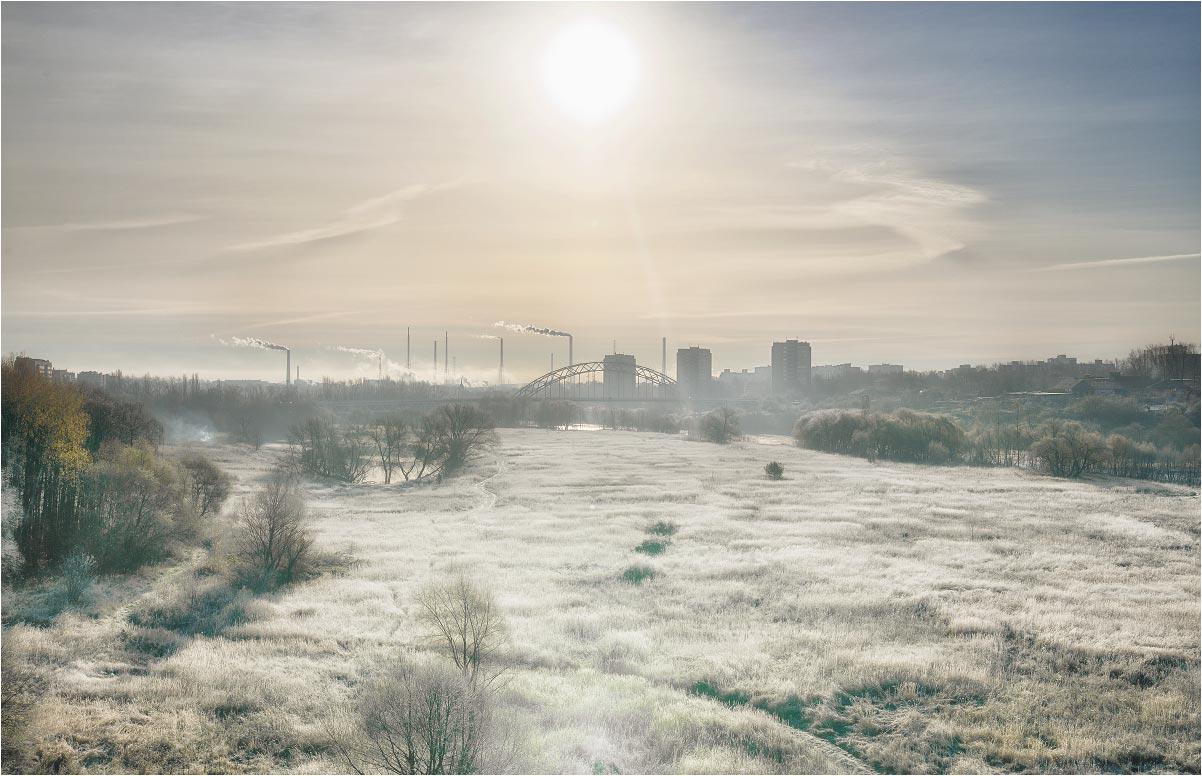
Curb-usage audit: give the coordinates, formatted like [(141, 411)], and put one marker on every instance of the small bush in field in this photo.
[(651, 547), (774, 470), (636, 574), (78, 575), (663, 528)]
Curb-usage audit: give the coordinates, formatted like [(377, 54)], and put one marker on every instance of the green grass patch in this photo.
[(636, 574)]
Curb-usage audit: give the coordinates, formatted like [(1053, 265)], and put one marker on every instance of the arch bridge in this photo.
[(618, 382)]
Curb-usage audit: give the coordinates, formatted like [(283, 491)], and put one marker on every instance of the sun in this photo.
[(590, 70)]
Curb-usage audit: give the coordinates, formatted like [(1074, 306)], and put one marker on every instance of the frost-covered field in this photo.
[(921, 619)]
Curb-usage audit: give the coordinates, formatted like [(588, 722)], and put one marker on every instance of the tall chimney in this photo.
[(663, 363), (298, 373), (570, 360), (408, 353), (446, 352), (435, 361), (288, 369), (501, 369)]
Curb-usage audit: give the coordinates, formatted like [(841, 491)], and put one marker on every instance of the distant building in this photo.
[(790, 367), (880, 370), (38, 366), (62, 376), (618, 375), (90, 378), (835, 371), (694, 372), (1062, 362)]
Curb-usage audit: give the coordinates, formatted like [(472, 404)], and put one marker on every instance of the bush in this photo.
[(208, 486), (720, 426), (424, 719), (636, 574), (774, 471), (130, 508), (651, 547), (1068, 450), (273, 540), (78, 572), (663, 528)]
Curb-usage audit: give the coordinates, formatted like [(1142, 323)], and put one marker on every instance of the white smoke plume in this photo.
[(251, 342), (524, 329), (488, 336), (378, 353)]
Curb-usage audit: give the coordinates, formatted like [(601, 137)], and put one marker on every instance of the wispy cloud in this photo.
[(926, 211), (115, 225), (1115, 262), (368, 215)]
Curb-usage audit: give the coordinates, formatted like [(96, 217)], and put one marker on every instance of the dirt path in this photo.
[(489, 495)]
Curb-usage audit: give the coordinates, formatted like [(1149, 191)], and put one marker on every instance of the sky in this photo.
[(923, 184)]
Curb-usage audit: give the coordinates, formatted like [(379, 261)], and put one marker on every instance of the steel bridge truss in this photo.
[(565, 383)]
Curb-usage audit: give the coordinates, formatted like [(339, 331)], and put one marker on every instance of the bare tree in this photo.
[(273, 541), (424, 719), (426, 451), (389, 437), (465, 429), (464, 620)]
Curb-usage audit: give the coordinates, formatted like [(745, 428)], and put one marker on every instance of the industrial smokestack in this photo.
[(408, 353), (435, 379), (570, 360), (446, 353), (663, 361), (288, 369), (501, 368)]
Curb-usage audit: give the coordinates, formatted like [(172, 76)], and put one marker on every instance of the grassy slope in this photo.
[(923, 619)]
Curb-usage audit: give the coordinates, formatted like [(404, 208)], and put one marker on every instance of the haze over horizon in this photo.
[(925, 185)]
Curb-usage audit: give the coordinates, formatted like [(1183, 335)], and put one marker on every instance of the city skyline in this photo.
[(902, 183)]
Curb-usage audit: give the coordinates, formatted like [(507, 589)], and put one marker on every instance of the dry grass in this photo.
[(923, 619)]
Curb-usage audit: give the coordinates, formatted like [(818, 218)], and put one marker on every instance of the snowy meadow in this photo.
[(670, 609)]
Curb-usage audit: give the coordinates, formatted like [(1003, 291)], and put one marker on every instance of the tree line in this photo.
[(1062, 448), (88, 478)]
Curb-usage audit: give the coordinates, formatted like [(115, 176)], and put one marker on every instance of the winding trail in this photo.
[(490, 495)]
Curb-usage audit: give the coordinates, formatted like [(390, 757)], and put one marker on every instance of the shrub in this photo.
[(207, 485), (273, 540), (663, 528), (1068, 450), (636, 574), (424, 719), (651, 547), (774, 470), (720, 426), (464, 620), (78, 572)]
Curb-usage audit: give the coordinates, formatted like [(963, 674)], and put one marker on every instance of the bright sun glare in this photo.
[(590, 70)]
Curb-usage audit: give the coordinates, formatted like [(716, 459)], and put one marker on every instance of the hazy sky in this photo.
[(918, 184)]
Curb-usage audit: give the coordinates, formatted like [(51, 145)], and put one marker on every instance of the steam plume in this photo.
[(251, 342), (524, 329)]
